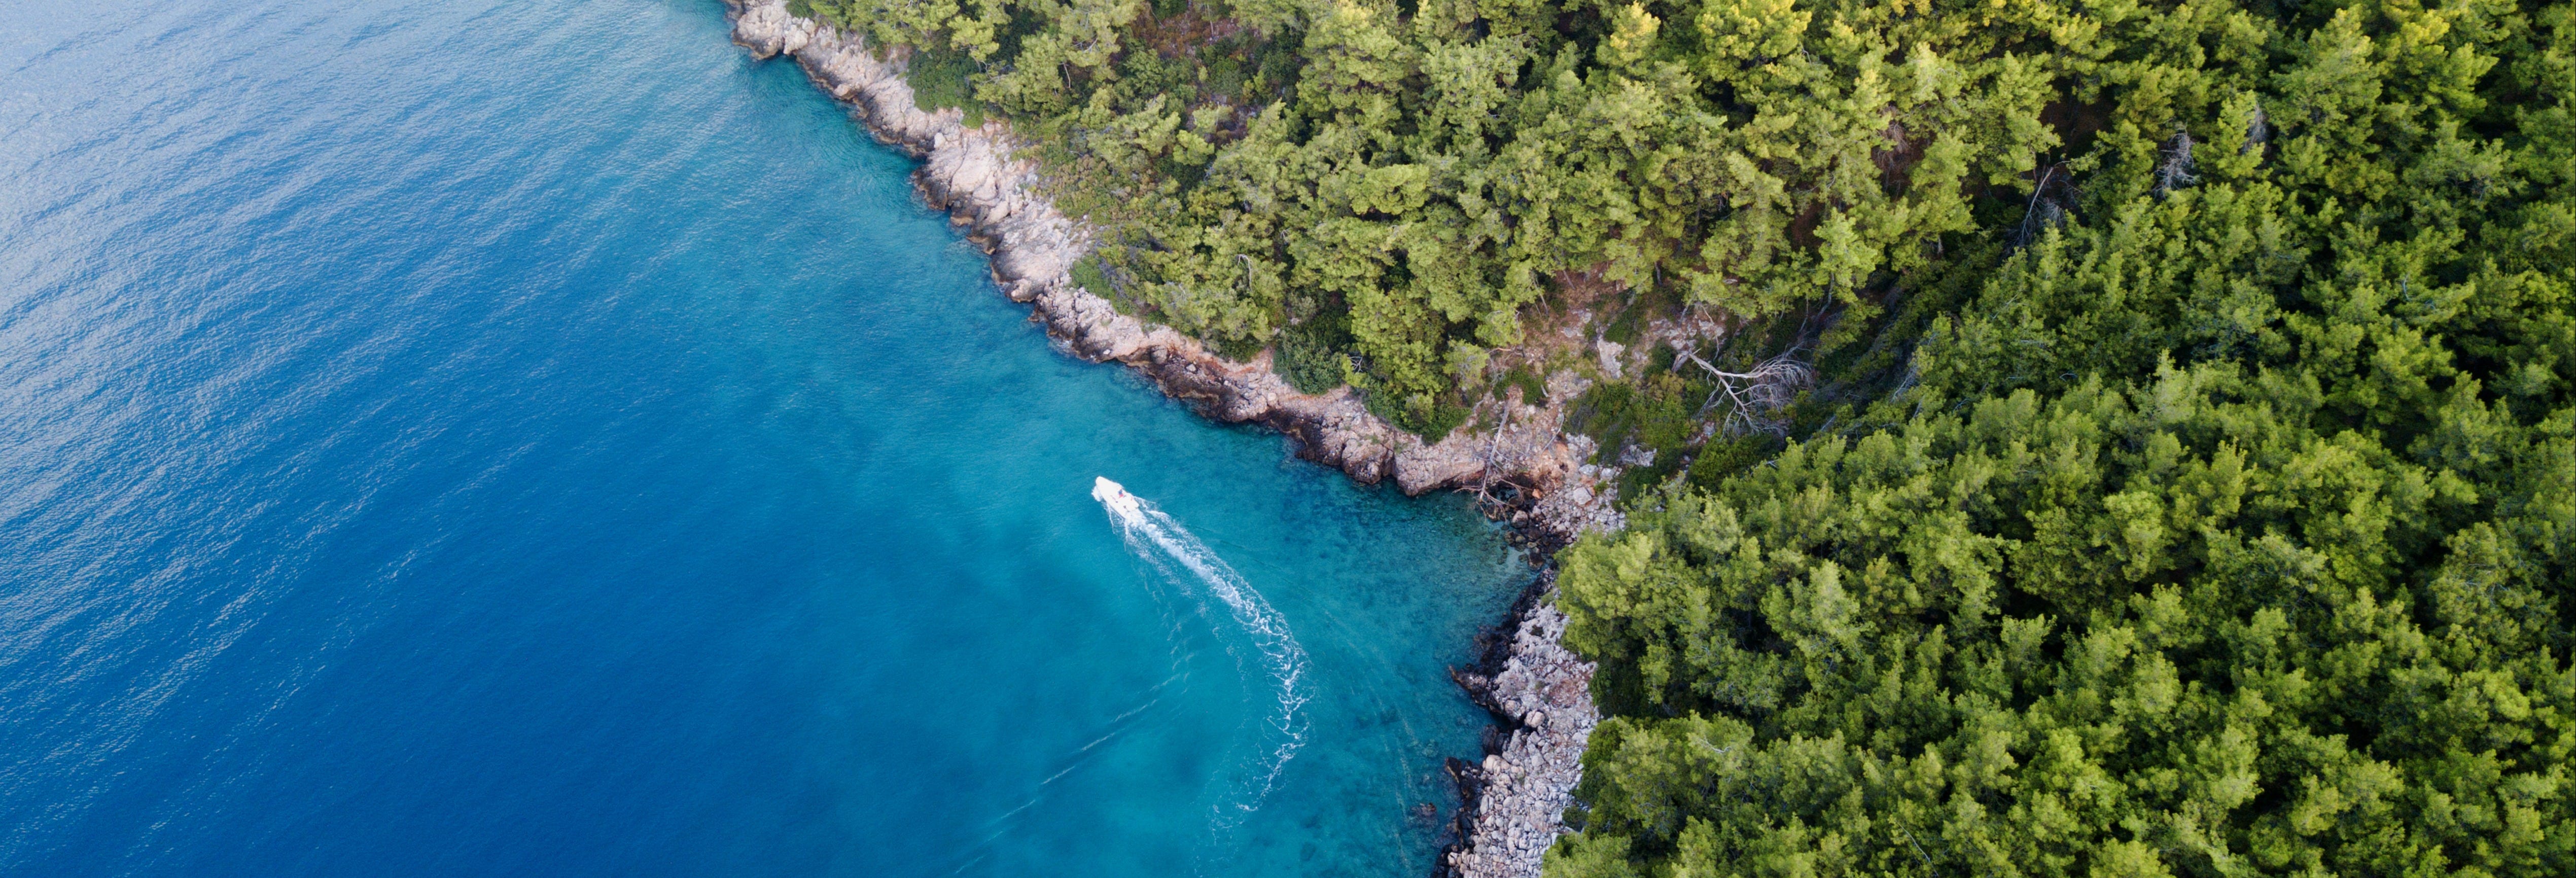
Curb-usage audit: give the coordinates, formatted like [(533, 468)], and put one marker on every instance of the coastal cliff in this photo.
[(1514, 797)]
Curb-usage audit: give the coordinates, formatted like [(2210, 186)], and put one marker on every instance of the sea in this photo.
[(468, 437)]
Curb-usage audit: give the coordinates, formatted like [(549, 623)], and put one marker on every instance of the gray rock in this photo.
[(1517, 820)]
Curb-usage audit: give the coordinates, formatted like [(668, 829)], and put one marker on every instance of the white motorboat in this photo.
[(1114, 495)]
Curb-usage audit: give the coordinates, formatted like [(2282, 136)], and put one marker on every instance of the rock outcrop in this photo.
[(976, 175), (1542, 693)]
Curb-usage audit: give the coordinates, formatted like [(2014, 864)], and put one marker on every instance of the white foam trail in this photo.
[(1163, 542)]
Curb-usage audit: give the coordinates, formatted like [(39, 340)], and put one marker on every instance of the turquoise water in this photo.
[(488, 438)]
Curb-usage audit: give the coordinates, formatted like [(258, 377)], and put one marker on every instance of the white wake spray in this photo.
[(1164, 543)]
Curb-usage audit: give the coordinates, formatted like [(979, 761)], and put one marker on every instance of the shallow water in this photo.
[(500, 438)]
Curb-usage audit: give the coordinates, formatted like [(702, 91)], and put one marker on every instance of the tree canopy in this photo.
[(1414, 173), (2220, 522)]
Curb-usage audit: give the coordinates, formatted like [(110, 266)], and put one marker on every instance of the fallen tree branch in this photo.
[(1755, 395)]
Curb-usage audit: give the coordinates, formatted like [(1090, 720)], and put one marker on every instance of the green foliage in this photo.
[(1721, 459), (1607, 412), (1437, 425), (1654, 413), (1087, 275), (1624, 328), (941, 79), (1430, 417), (2226, 528), (1533, 388), (1313, 356)]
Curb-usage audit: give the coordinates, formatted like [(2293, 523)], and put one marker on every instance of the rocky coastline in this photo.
[(1540, 693), (1525, 468)]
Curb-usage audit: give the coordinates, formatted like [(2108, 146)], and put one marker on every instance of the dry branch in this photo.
[(1754, 396)]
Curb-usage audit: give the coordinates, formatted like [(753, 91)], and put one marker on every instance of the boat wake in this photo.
[(1190, 565)]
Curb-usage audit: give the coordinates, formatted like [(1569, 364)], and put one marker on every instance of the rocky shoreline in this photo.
[(1513, 802), (1513, 799)]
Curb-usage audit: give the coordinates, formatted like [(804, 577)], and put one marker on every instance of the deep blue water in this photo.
[(470, 437)]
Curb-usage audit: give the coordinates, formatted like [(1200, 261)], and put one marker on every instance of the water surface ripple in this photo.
[(507, 438)]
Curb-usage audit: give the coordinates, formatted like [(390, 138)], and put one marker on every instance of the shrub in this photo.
[(1310, 355), (942, 79)]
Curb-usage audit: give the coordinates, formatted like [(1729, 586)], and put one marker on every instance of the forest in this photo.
[(2180, 478)]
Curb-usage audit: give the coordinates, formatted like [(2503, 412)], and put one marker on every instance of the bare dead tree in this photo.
[(1913, 374), (2047, 208), (1493, 445), (2174, 171), (2258, 131), (1756, 395)]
